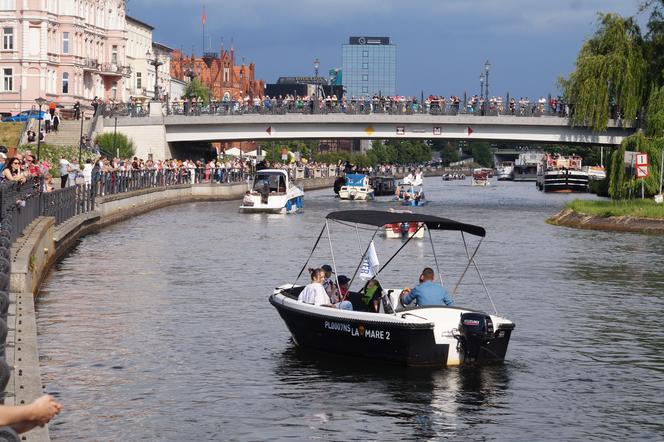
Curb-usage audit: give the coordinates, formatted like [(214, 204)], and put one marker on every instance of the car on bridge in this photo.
[(24, 116)]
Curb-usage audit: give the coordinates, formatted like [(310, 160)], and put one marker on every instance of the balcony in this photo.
[(109, 69)]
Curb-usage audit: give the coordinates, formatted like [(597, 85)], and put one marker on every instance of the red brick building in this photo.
[(219, 73)]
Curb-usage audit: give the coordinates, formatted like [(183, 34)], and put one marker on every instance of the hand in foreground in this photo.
[(44, 408)]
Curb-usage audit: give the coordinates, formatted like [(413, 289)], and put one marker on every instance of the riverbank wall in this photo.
[(570, 218), (43, 243)]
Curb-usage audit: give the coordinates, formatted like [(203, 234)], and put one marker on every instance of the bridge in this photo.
[(155, 135)]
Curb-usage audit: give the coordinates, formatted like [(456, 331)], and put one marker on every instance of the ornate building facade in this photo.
[(61, 50), (219, 73)]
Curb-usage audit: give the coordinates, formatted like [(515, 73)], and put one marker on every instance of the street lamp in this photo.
[(482, 78), (40, 102), (487, 66), (316, 67), (156, 62), (83, 108)]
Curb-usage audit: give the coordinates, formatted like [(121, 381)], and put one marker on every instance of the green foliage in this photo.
[(196, 89), (449, 150), (410, 151), (622, 183), (655, 113), (110, 142), (610, 71), (637, 208), (481, 152)]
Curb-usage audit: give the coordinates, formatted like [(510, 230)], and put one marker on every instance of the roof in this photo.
[(142, 23), (380, 218)]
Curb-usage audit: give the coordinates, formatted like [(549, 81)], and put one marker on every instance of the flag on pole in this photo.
[(203, 16), (369, 264)]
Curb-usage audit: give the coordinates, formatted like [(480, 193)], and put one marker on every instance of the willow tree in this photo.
[(655, 113), (196, 89), (610, 73), (622, 182)]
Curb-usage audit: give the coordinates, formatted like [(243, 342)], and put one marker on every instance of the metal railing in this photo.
[(521, 108)]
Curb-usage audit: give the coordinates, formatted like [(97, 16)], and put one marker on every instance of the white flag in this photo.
[(369, 264)]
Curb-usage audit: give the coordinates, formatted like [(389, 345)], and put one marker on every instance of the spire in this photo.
[(221, 52), (232, 51)]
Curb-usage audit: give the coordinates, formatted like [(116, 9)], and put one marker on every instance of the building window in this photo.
[(7, 5), (8, 79), (65, 42), (365, 65), (8, 39), (139, 80), (365, 77), (365, 53), (114, 54), (365, 89), (65, 83), (114, 91)]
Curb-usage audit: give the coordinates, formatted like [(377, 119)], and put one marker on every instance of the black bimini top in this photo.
[(380, 218)]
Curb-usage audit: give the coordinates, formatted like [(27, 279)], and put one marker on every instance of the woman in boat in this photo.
[(314, 293)]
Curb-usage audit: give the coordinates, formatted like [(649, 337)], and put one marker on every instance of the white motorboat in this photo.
[(505, 172), (386, 330), (272, 191), (356, 188), (404, 230)]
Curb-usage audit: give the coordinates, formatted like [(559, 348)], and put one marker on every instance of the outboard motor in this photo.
[(475, 333)]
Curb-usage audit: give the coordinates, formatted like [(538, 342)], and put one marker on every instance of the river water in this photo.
[(159, 328)]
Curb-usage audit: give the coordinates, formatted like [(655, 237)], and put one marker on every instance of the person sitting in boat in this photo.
[(314, 293), (427, 292), (328, 284)]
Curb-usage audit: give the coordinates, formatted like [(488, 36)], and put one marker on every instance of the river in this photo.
[(159, 328)]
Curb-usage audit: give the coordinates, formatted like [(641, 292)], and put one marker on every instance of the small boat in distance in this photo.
[(386, 330), (356, 188), (480, 177), (272, 191), (505, 172), (404, 230), (525, 166), (383, 185)]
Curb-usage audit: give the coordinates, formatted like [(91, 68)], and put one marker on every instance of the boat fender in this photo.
[(300, 202), (289, 205)]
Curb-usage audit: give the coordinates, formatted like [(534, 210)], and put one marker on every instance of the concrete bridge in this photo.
[(155, 135)]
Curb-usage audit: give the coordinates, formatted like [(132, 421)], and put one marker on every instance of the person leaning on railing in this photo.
[(12, 172)]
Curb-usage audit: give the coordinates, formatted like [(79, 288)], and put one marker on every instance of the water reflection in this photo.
[(419, 403)]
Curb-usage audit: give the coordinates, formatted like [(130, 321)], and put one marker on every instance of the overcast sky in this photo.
[(441, 44)]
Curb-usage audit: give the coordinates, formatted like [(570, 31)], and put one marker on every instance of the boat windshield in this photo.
[(276, 182)]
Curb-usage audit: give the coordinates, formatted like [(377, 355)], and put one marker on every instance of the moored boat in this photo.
[(505, 172), (414, 336), (525, 166), (562, 174), (272, 191)]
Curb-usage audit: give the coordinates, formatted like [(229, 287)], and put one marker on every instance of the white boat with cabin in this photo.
[(272, 191)]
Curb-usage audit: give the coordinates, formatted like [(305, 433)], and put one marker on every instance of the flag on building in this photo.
[(369, 264), (203, 16)]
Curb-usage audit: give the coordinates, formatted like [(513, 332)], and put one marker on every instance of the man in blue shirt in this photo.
[(427, 292)]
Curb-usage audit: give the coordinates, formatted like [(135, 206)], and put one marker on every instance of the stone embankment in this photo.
[(42, 243), (570, 218)]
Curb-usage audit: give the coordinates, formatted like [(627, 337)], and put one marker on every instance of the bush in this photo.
[(52, 154), (110, 142)]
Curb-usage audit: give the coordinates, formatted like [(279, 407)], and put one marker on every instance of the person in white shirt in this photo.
[(87, 171), (314, 293)]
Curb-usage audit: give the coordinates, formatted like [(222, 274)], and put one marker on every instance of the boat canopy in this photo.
[(380, 218)]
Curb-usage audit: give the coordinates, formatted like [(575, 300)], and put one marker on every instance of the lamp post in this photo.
[(487, 66), (40, 102), (316, 67), (481, 93), (156, 62)]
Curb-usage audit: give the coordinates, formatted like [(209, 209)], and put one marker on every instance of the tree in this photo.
[(610, 74), (111, 142), (196, 89), (622, 182), (481, 151)]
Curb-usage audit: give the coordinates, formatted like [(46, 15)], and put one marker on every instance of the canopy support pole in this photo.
[(470, 260), (400, 248), (311, 254), (486, 290), (435, 258), (334, 263)]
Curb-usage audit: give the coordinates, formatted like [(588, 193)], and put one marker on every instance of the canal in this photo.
[(159, 328)]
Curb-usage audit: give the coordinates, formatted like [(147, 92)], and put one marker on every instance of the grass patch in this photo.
[(638, 208), (10, 133)]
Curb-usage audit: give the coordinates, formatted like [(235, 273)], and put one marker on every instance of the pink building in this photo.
[(61, 50)]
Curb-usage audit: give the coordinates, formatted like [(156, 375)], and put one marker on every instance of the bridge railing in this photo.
[(522, 108)]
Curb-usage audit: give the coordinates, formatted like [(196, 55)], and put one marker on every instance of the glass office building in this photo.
[(369, 66)]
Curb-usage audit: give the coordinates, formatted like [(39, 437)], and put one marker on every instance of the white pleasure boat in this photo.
[(272, 191)]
